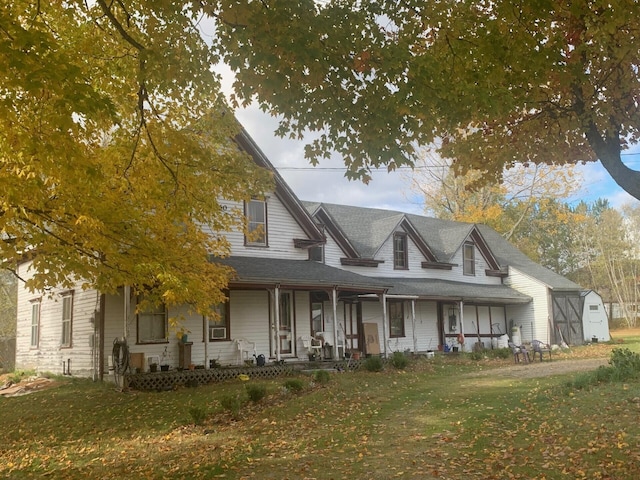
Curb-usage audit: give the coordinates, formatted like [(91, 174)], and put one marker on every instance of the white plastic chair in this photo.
[(244, 348), (313, 345)]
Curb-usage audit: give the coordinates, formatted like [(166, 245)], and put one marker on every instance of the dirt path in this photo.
[(544, 369)]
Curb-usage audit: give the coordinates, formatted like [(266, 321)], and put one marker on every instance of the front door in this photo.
[(353, 325)]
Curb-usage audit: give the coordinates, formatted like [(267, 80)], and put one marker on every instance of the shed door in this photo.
[(567, 318)]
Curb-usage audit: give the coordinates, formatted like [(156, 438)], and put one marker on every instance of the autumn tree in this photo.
[(8, 296), (527, 207), (607, 256), (116, 148), (500, 82)]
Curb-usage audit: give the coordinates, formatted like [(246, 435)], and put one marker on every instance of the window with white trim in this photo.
[(35, 323), (256, 214), (153, 324), (219, 325), (67, 315), (469, 259), (400, 257)]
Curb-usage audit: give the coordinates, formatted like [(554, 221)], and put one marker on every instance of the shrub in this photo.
[(294, 385), (232, 404), (476, 355), (625, 363), (256, 392), (198, 415), (399, 360), (373, 364), (322, 376)]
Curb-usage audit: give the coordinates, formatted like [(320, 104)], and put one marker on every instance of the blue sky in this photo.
[(326, 183)]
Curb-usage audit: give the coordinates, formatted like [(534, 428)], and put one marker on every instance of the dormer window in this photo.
[(469, 259), (316, 253), (400, 260), (256, 214)]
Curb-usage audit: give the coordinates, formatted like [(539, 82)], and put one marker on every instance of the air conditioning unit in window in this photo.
[(217, 333)]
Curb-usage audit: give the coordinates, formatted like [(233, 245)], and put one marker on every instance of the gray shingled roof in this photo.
[(444, 289), (298, 272), (368, 228), (508, 255)]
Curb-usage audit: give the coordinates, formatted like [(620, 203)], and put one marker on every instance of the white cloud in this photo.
[(326, 182)]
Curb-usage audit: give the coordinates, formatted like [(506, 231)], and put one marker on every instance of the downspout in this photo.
[(413, 324), (277, 321), (383, 298), (334, 307)]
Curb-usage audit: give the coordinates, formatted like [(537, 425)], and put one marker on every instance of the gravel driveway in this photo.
[(544, 369)]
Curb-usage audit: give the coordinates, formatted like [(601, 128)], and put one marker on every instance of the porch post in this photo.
[(462, 322), (413, 324), (277, 321), (334, 307), (384, 323), (127, 308), (205, 324)]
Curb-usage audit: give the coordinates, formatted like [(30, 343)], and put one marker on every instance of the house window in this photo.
[(469, 259), (153, 324), (316, 254), (400, 251), (396, 319), (219, 325), (256, 214), (593, 308), (35, 324), (67, 309)]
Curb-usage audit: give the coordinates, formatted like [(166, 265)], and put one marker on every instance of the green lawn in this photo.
[(443, 418)]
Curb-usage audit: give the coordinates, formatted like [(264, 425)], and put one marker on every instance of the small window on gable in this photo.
[(256, 214), (469, 259), (316, 254), (35, 323), (67, 315), (219, 325), (153, 325), (400, 257), (593, 308), (396, 319)]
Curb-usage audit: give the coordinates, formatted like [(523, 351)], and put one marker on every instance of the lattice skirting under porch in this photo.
[(191, 378)]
